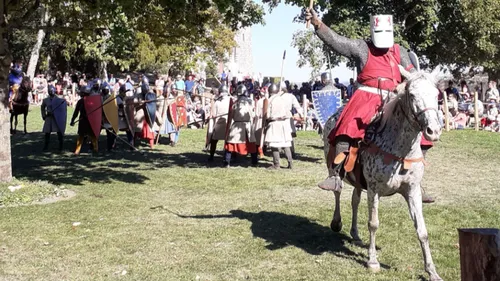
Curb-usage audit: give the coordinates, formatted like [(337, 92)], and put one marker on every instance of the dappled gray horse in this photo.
[(392, 162)]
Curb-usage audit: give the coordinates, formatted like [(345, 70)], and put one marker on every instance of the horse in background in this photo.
[(19, 103), (391, 161)]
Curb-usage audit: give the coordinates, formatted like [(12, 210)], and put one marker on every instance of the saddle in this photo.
[(352, 165)]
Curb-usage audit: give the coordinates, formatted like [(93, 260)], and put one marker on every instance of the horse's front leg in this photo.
[(414, 200), (25, 121), (11, 121), (336, 224), (373, 223), (356, 198)]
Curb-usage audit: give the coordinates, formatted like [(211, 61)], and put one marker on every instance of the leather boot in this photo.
[(335, 181)]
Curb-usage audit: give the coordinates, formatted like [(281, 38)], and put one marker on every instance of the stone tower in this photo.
[(240, 57)]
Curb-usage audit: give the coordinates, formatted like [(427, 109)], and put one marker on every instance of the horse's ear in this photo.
[(406, 74)]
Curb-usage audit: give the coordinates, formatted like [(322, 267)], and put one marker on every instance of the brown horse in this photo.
[(19, 103)]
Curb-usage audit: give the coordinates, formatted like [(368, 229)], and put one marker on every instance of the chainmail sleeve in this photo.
[(355, 49)]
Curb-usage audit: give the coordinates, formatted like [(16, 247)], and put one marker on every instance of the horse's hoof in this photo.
[(336, 226), (374, 267), (435, 278)]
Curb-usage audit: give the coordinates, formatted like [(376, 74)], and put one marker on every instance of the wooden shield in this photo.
[(211, 125), (93, 108), (229, 118), (110, 108), (60, 113), (129, 110), (265, 106)]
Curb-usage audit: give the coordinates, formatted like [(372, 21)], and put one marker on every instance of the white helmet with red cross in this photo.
[(382, 30)]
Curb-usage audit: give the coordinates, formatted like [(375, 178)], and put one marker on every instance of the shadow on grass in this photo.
[(31, 163), (283, 230)]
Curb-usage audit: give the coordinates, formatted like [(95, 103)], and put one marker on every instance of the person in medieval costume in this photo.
[(170, 126), (161, 113), (294, 104), (278, 132), (124, 123), (326, 81), (377, 61), (219, 114), (259, 114), (49, 105), (105, 90), (241, 137), (84, 128), (143, 129)]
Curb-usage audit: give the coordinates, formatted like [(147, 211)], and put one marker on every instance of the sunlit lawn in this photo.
[(166, 215)]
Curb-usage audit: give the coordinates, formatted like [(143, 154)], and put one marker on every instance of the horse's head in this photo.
[(419, 97)]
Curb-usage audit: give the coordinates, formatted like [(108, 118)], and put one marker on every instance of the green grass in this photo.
[(165, 215)]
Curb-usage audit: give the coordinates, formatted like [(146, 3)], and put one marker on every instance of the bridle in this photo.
[(415, 115)]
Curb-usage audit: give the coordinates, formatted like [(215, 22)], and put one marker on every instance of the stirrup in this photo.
[(332, 183)]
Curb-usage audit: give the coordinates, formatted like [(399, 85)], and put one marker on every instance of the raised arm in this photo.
[(356, 49)]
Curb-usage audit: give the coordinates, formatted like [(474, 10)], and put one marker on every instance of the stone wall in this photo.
[(241, 58)]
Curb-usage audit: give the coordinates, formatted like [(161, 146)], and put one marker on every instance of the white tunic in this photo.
[(220, 110), (241, 127), (278, 130)]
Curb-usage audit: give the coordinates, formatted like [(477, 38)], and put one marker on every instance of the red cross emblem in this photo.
[(377, 21), (389, 20)]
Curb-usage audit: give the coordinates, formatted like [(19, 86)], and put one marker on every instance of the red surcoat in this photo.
[(381, 72)]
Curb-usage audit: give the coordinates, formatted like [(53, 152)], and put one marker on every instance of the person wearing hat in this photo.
[(240, 138)]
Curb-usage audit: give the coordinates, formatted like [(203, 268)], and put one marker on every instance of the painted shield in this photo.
[(229, 117), (60, 113), (93, 108), (326, 103), (172, 114), (181, 108), (150, 108), (110, 108), (129, 111)]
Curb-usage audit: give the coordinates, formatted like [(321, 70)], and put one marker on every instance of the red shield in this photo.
[(129, 111), (181, 109), (93, 108), (172, 114)]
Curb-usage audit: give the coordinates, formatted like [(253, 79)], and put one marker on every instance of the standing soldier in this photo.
[(278, 131), (258, 123), (84, 128), (54, 115), (241, 138), (219, 113), (293, 105)]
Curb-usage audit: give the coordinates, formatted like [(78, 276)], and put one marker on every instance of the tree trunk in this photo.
[(479, 254), (5, 60), (35, 53)]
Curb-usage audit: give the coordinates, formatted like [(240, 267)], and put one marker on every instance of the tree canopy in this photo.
[(460, 33), (154, 35)]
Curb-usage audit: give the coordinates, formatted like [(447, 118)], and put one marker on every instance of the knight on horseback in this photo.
[(377, 62), (20, 87)]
